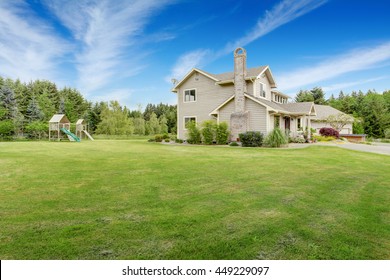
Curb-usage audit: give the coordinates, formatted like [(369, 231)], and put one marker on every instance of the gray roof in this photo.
[(300, 107), (58, 118), (324, 111), (270, 104), (251, 72)]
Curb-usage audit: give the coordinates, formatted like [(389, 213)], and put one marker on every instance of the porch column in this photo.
[(308, 128)]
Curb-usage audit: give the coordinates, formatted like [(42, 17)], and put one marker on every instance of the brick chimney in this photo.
[(239, 119)]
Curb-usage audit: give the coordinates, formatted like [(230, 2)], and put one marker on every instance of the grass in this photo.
[(138, 200)]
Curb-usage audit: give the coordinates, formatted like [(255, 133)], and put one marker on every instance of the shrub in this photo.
[(222, 133), (251, 139), (297, 140), (321, 138), (179, 141), (234, 144), (387, 133), (37, 129), (193, 133), (208, 132), (276, 138), (328, 131), (167, 140), (158, 138), (165, 136), (7, 129)]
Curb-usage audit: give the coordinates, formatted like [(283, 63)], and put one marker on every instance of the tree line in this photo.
[(371, 110), (26, 108)]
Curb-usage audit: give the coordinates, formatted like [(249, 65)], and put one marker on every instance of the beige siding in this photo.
[(226, 111), (250, 87), (265, 81), (258, 116), (208, 97)]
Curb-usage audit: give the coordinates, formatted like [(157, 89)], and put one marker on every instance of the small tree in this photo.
[(37, 129), (163, 124), (328, 131), (338, 121), (387, 133), (152, 125), (139, 126), (222, 133), (7, 129), (193, 133), (208, 132)]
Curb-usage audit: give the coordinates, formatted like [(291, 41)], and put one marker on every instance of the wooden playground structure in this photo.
[(59, 126)]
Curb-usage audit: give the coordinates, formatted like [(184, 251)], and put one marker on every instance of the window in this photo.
[(261, 89), (187, 120), (299, 124), (190, 95), (277, 121)]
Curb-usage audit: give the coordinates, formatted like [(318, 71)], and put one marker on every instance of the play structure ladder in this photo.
[(70, 135), (89, 135)]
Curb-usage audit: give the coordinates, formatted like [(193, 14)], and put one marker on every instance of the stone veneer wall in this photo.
[(239, 120)]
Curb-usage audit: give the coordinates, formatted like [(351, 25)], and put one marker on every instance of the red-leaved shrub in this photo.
[(328, 131)]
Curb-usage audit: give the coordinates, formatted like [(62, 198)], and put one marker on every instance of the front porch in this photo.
[(296, 125)]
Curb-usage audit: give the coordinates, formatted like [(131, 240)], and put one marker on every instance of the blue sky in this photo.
[(129, 50)]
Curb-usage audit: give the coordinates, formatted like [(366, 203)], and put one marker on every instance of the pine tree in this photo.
[(33, 112), (8, 103)]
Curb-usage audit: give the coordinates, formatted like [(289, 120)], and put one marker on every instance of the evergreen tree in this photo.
[(8, 103), (61, 107), (318, 96), (304, 96), (33, 112)]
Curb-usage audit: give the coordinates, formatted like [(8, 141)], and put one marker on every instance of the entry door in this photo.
[(287, 123)]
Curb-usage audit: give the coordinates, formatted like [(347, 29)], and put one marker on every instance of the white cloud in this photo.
[(122, 95), (109, 33), (282, 13), (346, 85), (30, 49), (355, 60), (186, 62)]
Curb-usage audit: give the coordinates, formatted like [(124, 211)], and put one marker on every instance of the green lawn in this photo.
[(138, 200)]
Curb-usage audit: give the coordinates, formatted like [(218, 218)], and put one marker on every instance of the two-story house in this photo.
[(247, 99)]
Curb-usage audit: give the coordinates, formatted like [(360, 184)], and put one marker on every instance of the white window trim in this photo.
[(184, 121), (184, 95), (257, 89)]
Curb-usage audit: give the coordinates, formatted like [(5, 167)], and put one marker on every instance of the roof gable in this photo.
[(324, 111), (228, 77), (189, 74)]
